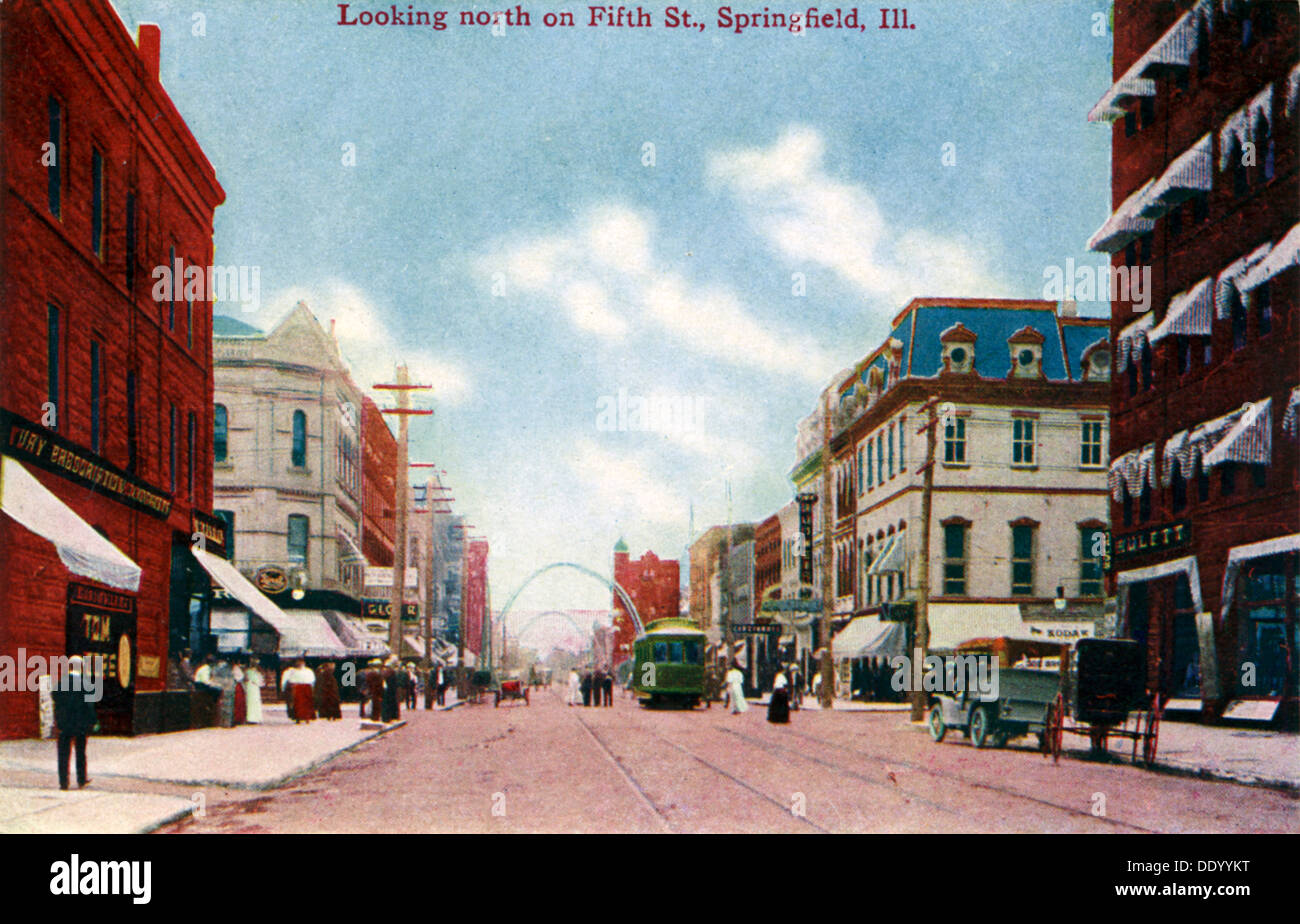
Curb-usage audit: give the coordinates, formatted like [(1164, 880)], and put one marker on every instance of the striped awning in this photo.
[(1125, 224), (1191, 172), (1172, 51), (1241, 124), (891, 557), (1249, 439), (1188, 313), (1132, 470), (1285, 255), (1132, 338), (1292, 415), (1229, 280), (348, 552)]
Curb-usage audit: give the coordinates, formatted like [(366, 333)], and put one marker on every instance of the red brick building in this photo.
[(105, 392), (1203, 479), (378, 487), (767, 560), (654, 586), (474, 595)]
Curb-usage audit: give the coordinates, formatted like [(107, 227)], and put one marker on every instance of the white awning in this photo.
[(1244, 553), (1250, 438), (1292, 89), (225, 574), (1189, 313), (81, 548), (869, 637), (1289, 418), (1171, 51), (1285, 255), (1132, 338), (1241, 124), (1191, 172), (1229, 280), (1125, 224), (1132, 470), (892, 556), (307, 634), (352, 632), (350, 554)]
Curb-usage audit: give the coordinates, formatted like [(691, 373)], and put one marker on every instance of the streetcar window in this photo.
[(661, 651), (675, 652), (693, 653)]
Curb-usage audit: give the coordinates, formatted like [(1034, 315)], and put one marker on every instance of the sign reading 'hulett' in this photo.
[(1154, 539)]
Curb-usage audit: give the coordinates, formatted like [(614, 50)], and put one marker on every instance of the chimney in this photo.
[(149, 39)]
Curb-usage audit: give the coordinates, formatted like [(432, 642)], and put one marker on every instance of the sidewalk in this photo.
[(842, 705), (249, 757)]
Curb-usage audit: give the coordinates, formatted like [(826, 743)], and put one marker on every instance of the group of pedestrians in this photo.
[(778, 704), (226, 693), (591, 687), (311, 694)]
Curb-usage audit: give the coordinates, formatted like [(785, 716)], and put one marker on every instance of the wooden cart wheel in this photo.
[(1150, 738), (1056, 726)]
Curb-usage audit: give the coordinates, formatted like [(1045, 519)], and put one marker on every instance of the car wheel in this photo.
[(980, 726), (937, 728)]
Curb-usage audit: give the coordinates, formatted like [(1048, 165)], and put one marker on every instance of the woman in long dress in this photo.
[(778, 706), (241, 697), (253, 694), (736, 688), (327, 692), (575, 688), (299, 695), (224, 679)]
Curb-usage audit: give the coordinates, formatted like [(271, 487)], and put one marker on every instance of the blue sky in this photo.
[(501, 233)]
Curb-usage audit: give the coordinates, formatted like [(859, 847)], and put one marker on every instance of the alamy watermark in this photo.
[(1100, 283), (659, 413), (181, 282), (950, 675), (22, 674)]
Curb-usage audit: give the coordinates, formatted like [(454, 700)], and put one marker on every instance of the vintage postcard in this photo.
[(437, 417)]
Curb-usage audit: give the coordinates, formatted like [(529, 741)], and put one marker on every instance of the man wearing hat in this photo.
[(74, 714), (374, 687)]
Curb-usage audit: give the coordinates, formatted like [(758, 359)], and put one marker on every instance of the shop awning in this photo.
[(1132, 338), (307, 634), (239, 587), (1241, 125), (1230, 278), (1292, 90), (1171, 51), (81, 548), (1282, 257), (1189, 313), (1189, 173), (1289, 418), (1245, 553), (869, 637), (352, 632), (1132, 470), (1250, 438), (1125, 224), (890, 558), (350, 553)]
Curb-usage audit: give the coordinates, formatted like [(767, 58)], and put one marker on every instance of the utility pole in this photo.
[(727, 637), (403, 387), (828, 594), (921, 644)]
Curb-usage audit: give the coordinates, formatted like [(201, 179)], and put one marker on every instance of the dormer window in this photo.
[(1096, 362), (1026, 347), (958, 345)]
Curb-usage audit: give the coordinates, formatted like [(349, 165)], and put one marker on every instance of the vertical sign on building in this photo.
[(806, 502)]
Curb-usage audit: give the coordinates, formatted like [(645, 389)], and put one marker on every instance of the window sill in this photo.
[(1025, 466), (299, 470), (956, 464)]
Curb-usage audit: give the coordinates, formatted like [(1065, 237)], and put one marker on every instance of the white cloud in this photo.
[(368, 346), (811, 217), (589, 309), (624, 486)]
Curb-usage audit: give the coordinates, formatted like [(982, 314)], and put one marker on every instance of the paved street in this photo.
[(554, 768)]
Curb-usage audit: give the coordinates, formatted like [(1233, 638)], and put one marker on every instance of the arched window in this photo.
[(220, 431), (299, 458)]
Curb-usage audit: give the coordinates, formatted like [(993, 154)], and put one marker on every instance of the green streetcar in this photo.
[(668, 664)]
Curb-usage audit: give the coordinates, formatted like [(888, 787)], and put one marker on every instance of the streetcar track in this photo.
[(782, 806), (953, 778), (659, 815)]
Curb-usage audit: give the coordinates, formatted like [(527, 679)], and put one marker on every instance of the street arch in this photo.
[(611, 584)]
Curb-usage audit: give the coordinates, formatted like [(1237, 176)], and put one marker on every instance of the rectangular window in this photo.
[(870, 467), (175, 287), (191, 451), (132, 439), (54, 156), (859, 471), (97, 203), (130, 242), (902, 441), (1022, 441), (954, 440), (171, 452), (229, 517), (880, 458), (891, 450), (954, 559), (299, 530), (1089, 564), (1022, 561), (189, 324), (1090, 443), (96, 396), (52, 363)]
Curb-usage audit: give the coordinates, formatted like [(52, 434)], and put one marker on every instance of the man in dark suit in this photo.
[(586, 688), (74, 714), (607, 687)]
